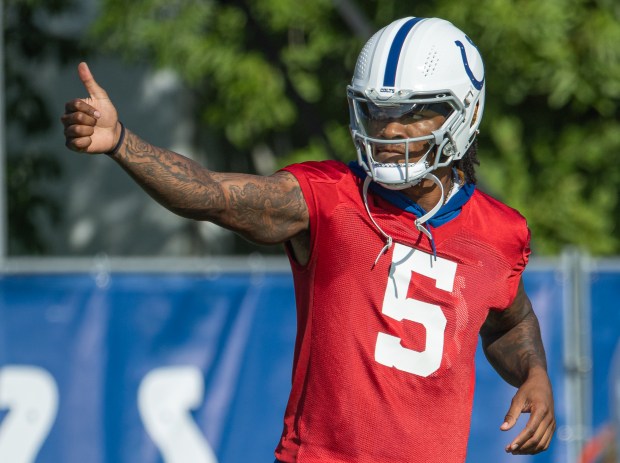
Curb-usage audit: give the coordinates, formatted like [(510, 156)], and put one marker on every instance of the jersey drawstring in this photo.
[(426, 231), (420, 222), (388, 239)]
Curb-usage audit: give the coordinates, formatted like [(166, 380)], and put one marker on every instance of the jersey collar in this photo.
[(448, 211)]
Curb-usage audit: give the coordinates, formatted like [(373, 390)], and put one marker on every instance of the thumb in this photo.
[(92, 87), (516, 407)]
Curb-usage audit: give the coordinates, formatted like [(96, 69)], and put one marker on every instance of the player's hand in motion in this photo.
[(534, 397), (512, 343), (91, 124)]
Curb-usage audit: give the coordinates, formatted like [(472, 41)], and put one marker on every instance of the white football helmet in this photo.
[(413, 65)]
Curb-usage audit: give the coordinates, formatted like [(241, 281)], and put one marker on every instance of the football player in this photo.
[(399, 260)]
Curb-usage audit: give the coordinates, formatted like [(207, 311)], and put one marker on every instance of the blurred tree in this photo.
[(29, 40), (271, 75), (552, 128)]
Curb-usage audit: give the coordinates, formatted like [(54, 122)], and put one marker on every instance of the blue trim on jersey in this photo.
[(448, 211), (389, 78)]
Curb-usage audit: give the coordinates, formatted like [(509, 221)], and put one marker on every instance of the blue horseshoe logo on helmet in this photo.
[(476, 83)]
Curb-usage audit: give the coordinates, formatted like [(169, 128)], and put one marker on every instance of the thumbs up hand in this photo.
[(91, 124)]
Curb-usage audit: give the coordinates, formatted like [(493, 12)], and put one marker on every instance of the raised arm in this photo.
[(266, 210), (513, 345)]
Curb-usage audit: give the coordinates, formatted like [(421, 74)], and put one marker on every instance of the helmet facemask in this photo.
[(370, 114)]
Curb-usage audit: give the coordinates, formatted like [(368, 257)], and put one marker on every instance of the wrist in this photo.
[(537, 371), (119, 143)]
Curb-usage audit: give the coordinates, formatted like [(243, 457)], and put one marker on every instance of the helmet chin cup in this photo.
[(398, 176), (400, 186)]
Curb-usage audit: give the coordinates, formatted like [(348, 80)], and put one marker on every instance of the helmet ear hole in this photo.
[(475, 117)]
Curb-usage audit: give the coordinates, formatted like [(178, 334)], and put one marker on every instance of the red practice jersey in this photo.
[(384, 359)]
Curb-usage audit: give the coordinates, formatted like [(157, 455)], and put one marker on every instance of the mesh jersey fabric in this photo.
[(352, 398)]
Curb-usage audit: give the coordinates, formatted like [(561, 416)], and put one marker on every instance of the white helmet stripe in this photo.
[(389, 78)]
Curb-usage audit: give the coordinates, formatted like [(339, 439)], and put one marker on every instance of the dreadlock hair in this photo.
[(468, 162)]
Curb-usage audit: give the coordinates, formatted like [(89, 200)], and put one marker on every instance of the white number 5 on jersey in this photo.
[(396, 305)]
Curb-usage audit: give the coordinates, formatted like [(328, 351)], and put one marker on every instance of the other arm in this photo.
[(513, 345)]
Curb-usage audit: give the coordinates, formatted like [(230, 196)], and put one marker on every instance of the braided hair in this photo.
[(468, 162)]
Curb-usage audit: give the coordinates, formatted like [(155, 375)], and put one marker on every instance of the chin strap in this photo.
[(419, 222)]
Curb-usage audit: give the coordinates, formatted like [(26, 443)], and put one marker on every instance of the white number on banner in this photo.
[(31, 396), (396, 305), (165, 398)]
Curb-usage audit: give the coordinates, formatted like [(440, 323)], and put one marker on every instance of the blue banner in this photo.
[(604, 440), (605, 290), (144, 368), (175, 368)]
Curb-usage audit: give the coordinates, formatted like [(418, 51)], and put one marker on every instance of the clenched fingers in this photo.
[(78, 131), (79, 113), (81, 119), (78, 144), (78, 105)]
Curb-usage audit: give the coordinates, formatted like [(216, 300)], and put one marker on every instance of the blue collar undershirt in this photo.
[(448, 211)]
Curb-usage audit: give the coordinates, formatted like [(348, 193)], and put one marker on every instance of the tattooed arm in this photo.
[(266, 210), (512, 343)]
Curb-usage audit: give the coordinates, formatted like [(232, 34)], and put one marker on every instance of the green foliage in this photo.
[(258, 69), (274, 72), (551, 129)]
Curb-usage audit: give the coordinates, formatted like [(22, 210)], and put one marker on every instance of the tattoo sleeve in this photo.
[(512, 341), (266, 210)]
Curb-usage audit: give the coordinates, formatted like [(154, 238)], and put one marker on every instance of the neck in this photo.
[(427, 194)]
